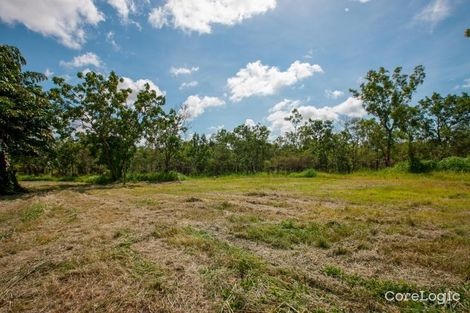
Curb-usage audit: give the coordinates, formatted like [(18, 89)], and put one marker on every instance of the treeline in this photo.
[(97, 127)]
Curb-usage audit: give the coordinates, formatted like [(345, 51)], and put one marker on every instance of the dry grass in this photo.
[(236, 244)]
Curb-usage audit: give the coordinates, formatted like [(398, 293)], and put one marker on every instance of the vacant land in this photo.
[(252, 244)]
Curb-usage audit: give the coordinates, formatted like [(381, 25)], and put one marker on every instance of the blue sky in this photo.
[(230, 61)]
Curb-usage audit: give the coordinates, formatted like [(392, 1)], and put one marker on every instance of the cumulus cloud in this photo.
[(435, 12), (188, 85), (250, 123), (123, 7), (62, 19), (86, 59), (176, 71), (195, 105), (138, 85), (259, 79), (333, 94), (352, 107), (199, 16)]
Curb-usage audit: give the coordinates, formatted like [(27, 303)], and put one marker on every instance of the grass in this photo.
[(260, 243), (288, 233)]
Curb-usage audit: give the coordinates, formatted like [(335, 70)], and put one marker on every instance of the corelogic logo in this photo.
[(442, 298)]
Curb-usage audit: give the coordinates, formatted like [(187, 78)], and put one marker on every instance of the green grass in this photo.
[(32, 213), (288, 233)]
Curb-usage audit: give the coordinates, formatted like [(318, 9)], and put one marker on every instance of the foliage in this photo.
[(26, 117), (454, 164), (387, 97), (307, 173), (112, 122)]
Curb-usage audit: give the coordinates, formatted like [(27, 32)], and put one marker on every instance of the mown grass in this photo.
[(261, 243), (288, 233)]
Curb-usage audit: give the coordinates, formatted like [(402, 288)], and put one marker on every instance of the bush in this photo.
[(97, 179), (456, 164), (418, 166), (307, 173)]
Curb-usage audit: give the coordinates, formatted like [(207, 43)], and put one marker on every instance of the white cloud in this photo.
[(175, 71), (188, 85), (333, 94), (435, 12), (48, 73), (138, 85), (250, 123), (112, 41), (352, 107), (285, 105), (309, 54), (157, 17), (62, 19), (199, 16), (215, 129), (259, 79), (88, 58), (195, 105), (465, 85), (123, 7)]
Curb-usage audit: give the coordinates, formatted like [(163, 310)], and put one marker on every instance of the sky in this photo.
[(229, 62)]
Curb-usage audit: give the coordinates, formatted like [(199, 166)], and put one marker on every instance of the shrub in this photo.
[(454, 164), (307, 173), (418, 166)]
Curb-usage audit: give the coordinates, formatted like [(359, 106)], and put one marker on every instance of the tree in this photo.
[(165, 136), (384, 96), (292, 137), (26, 116), (199, 153), (317, 136), (110, 122), (251, 147), (447, 123)]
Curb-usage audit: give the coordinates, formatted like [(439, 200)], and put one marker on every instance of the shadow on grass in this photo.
[(57, 186)]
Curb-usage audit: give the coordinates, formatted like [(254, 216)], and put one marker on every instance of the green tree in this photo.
[(446, 123), (26, 116), (385, 96), (165, 136), (251, 147), (111, 123)]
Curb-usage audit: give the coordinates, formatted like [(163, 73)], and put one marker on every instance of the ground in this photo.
[(333, 243)]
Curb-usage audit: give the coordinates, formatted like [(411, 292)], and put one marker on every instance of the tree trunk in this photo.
[(388, 153), (8, 182)]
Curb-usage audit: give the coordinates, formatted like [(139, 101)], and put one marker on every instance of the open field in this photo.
[(248, 244)]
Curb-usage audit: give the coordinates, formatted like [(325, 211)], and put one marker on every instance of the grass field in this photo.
[(237, 244)]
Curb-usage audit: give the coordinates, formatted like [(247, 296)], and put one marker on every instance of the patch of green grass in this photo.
[(286, 234), (310, 173), (242, 281), (154, 177), (32, 213), (224, 205), (146, 271), (378, 288)]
